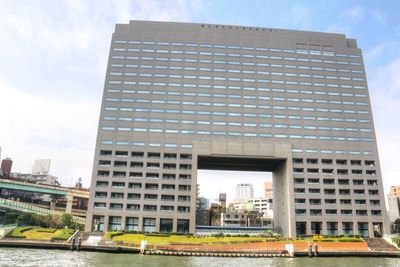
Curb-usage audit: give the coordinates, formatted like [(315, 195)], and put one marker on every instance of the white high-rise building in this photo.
[(244, 191), (179, 97)]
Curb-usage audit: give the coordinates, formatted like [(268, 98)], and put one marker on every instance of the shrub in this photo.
[(157, 234), (349, 239), (111, 235), (396, 240), (63, 234), (18, 232), (46, 230)]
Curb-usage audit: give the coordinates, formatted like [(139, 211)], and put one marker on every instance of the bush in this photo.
[(111, 235), (157, 234), (349, 239), (18, 232), (396, 240), (46, 230), (63, 235)]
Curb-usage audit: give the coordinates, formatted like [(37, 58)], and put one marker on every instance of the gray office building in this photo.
[(179, 97)]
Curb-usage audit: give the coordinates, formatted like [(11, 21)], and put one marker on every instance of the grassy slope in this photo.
[(42, 233), (163, 240)]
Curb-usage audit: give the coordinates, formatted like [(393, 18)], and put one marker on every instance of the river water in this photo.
[(60, 258)]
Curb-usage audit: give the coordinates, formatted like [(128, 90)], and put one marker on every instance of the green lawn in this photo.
[(128, 238), (165, 240), (38, 233)]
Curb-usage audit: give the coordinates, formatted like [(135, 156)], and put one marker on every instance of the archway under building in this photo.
[(253, 157)]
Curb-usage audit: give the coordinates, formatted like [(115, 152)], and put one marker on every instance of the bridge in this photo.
[(54, 191), (25, 207), (42, 188)]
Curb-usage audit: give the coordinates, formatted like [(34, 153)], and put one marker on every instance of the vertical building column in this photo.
[(123, 222), (106, 220), (174, 225), (53, 203), (140, 224), (70, 199)]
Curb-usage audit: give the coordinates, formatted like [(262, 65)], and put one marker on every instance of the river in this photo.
[(60, 258)]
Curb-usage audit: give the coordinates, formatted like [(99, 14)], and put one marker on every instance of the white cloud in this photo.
[(355, 13), (299, 16), (385, 97), (53, 56), (38, 126)]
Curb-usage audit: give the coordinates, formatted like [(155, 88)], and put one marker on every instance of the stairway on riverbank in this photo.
[(379, 244)]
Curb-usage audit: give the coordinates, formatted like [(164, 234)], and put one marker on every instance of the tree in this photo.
[(397, 225), (66, 220), (27, 219), (10, 217)]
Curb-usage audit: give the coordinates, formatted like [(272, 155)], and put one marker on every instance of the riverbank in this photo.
[(250, 250), (12, 243)]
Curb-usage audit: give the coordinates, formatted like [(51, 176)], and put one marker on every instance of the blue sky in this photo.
[(53, 57)]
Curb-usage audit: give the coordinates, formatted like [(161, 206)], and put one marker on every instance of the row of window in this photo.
[(132, 224), (334, 212), (264, 81), (220, 71), (250, 106), (332, 171), (231, 114), (149, 165), (332, 228), (238, 47), (140, 154), (331, 191), (353, 162), (148, 186), (189, 146), (328, 151), (234, 134), (221, 123), (252, 64), (137, 196), (341, 181), (208, 92), (372, 202), (137, 207)]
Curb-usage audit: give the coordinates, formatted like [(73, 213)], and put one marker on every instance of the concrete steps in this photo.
[(379, 244)]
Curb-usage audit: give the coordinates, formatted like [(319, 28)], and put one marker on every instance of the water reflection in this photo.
[(36, 257)]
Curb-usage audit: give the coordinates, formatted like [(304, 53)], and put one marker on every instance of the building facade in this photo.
[(244, 191), (179, 97), (268, 190)]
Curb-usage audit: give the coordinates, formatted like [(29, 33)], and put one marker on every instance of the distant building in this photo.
[(393, 208), (395, 190), (394, 203), (40, 173), (6, 165), (215, 214), (203, 217), (203, 203), (242, 218), (222, 200), (268, 193), (244, 191), (41, 166), (261, 206)]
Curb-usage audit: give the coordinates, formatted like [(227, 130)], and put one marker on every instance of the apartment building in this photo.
[(179, 97)]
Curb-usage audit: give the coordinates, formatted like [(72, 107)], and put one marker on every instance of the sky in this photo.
[(53, 58)]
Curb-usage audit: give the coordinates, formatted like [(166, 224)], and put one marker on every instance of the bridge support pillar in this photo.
[(70, 199), (53, 203)]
